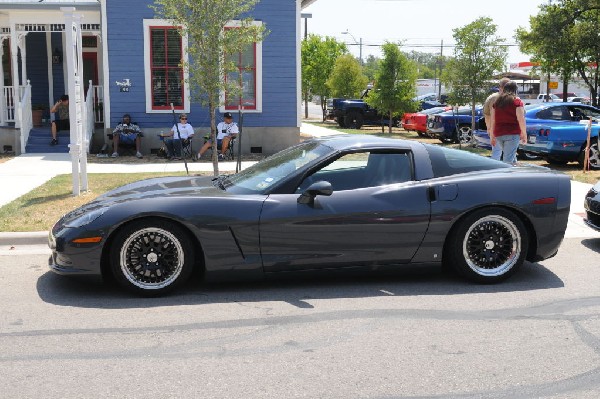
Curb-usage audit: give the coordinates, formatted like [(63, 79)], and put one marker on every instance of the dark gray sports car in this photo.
[(592, 207), (342, 202)]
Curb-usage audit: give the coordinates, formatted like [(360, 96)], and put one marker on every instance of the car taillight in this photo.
[(544, 132)]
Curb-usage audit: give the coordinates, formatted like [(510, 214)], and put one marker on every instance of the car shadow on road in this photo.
[(592, 243), (408, 280)]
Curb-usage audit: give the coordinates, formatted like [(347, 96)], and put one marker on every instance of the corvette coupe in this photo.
[(342, 202)]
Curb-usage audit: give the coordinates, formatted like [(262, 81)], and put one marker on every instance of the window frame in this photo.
[(158, 23), (258, 82)]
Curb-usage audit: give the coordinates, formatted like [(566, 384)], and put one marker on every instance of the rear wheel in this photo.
[(594, 157), (488, 245), (151, 258), (340, 121), (464, 134), (354, 120)]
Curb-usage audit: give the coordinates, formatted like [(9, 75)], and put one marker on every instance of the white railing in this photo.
[(8, 109), (89, 119), (98, 103), (23, 117)]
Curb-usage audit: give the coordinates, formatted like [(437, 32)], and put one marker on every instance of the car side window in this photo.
[(588, 113), (555, 113), (363, 169)]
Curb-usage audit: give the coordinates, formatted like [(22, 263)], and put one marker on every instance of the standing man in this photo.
[(61, 120), (487, 114), (226, 131)]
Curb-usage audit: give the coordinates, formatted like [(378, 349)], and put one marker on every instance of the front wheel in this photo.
[(488, 245), (151, 258)]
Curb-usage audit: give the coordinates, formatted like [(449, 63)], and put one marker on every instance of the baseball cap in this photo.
[(227, 115)]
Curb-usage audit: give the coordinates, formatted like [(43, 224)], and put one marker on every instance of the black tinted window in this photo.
[(448, 161)]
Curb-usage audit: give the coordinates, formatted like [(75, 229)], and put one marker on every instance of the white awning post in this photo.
[(74, 77)]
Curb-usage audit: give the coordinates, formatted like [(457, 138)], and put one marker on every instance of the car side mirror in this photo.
[(317, 188)]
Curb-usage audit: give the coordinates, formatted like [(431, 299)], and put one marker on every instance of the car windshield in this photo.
[(270, 171)]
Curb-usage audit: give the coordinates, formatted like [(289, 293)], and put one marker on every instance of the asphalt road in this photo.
[(417, 333)]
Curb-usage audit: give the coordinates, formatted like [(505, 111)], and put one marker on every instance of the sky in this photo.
[(421, 24)]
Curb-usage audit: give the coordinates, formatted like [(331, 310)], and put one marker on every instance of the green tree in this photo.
[(371, 66), (395, 84), (318, 59), (563, 39), (478, 56), (347, 79), (211, 48)]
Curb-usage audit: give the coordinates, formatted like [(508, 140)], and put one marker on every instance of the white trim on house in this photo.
[(259, 73), (147, 73), (299, 62), (105, 69)]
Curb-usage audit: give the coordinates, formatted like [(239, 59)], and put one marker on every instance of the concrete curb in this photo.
[(23, 238)]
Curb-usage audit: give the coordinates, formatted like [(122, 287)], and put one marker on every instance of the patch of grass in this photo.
[(39, 209)]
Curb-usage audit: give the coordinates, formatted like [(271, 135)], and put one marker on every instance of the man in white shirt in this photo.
[(179, 134), (226, 131)]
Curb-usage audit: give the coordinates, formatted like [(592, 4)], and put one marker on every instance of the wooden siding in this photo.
[(126, 61)]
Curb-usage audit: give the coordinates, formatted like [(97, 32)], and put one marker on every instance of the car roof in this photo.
[(356, 141)]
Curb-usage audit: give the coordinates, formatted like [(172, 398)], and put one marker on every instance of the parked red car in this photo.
[(417, 121)]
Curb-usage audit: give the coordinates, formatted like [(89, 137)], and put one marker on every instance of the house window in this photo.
[(245, 74), (165, 50), (249, 70), (165, 66)]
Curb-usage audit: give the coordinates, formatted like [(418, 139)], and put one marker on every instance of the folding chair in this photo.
[(229, 153), (187, 149), (125, 148)]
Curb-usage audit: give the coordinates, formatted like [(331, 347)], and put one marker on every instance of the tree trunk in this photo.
[(306, 105), (213, 138)]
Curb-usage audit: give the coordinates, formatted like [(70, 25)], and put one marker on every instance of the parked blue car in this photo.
[(556, 132), (444, 125)]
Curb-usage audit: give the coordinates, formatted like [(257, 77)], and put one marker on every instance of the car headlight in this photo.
[(86, 218)]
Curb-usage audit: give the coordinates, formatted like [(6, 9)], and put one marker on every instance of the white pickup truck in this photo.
[(541, 98)]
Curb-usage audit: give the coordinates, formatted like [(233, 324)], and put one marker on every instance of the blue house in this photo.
[(131, 64)]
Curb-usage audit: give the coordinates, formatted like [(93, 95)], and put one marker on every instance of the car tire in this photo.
[(151, 258), (464, 135), (594, 157), (488, 245), (354, 120), (341, 122)]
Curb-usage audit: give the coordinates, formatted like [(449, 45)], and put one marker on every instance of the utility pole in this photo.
[(441, 58)]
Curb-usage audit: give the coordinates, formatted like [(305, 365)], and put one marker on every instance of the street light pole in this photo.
[(359, 42)]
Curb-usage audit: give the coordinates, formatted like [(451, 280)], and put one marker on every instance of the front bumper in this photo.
[(68, 258)]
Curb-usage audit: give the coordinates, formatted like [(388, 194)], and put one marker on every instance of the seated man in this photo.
[(61, 122), (179, 133), (128, 133), (226, 131)]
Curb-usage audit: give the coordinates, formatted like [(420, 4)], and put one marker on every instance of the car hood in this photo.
[(162, 186)]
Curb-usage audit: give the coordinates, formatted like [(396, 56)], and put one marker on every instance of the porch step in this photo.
[(39, 141)]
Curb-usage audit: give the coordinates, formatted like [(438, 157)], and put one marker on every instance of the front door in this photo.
[(376, 215), (90, 69)]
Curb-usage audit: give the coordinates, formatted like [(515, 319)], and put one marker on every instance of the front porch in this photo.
[(33, 71)]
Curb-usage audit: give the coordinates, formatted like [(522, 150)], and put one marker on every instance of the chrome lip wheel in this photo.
[(464, 135), (151, 258), (492, 246), (594, 157)]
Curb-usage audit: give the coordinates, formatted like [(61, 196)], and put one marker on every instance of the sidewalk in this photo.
[(28, 171)]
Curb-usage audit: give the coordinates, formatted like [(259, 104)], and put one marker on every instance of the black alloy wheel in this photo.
[(151, 258)]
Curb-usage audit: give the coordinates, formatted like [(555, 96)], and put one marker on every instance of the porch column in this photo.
[(2, 101), (14, 52), (23, 47), (50, 69)]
